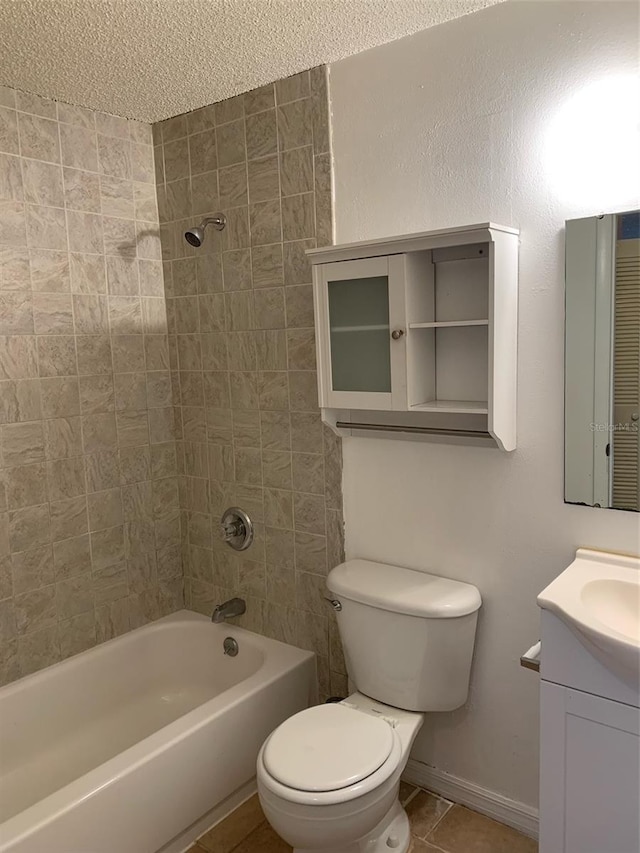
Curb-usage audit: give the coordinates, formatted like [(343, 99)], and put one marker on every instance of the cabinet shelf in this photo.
[(453, 407), (380, 328), (448, 324)]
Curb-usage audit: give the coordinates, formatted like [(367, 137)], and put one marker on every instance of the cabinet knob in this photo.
[(397, 334)]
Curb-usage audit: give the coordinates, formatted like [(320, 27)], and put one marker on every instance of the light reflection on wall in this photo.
[(593, 145)]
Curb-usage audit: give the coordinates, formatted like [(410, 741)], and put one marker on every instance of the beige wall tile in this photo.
[(49, 271), (299, 306), (264, 178), (25, 485), (32, 570), (72, 557), (46, 227), (12, 223), (87, 274), (294, 124), (231, 143), (112, 125), (11, 187), (42, 183), (303, 390), (293, 88), (9, 131), (311, 553), (259, 99), (70, 114), (68, 518), (298, 217), (203, 152), (266, 266), (62, 437), (29, 527), (77, 634), (52, 314), (18, 357), (114, 156), (19, 400), (60, 296), (79, 147), (297, 269), (265, 222), (16, 314), (38, 649), (262, 135), (22, 443), (296, 171), (38, 138), (15, 269)]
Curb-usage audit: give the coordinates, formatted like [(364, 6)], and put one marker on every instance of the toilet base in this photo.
[(391, 835)]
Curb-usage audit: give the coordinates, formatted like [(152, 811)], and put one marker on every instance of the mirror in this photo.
[(602, 361)]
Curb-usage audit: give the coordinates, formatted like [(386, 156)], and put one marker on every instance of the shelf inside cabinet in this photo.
[(453, 407), (448, 324), (379, 328)]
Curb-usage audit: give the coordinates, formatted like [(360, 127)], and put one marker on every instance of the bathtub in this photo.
[(142, 743)]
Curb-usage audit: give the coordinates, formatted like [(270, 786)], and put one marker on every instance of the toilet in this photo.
[(328, 777)]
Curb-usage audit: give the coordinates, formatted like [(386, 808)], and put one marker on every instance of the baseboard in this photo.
[(513, 813)]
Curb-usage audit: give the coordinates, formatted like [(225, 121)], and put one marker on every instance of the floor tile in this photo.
[(418, 846), (425, 810), (406, 790), (465, 831), (263, 840), (226, 835)]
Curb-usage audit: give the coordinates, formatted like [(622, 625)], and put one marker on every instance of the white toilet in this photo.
[(328, 777)]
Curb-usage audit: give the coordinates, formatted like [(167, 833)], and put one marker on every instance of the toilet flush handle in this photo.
[(334, 603)]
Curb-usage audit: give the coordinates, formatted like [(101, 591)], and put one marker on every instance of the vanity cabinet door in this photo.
[(361, 333), (589, 773)]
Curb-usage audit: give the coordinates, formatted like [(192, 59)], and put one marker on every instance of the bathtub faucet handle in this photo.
[(236, 528), (231, 529)]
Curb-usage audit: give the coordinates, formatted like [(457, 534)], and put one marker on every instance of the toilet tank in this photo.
[(407, 636)]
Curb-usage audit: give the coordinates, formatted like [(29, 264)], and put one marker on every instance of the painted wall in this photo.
[(510, 115)]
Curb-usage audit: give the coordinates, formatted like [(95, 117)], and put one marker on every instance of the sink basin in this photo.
[(598, 598), (616, 604)]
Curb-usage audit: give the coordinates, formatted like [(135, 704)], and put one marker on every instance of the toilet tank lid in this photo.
[(403, 590)]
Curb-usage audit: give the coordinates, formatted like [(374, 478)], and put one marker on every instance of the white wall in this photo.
[(459, 124)]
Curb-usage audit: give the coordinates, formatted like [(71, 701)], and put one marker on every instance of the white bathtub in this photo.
[(140, 744)]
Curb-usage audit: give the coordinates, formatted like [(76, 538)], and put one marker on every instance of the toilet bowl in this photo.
[(328, 778)]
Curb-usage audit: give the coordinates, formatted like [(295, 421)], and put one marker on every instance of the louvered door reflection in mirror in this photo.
[(602, 355)]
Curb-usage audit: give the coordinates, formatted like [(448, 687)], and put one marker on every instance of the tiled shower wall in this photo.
[(89, 517), (240, 315)]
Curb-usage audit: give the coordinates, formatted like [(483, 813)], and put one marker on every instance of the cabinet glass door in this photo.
[(359, 334)]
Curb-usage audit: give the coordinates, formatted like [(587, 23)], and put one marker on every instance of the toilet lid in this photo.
[(327, 748)]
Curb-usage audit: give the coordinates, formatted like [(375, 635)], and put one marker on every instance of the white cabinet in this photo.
[(422, 328), (589, 751), (590, 767)]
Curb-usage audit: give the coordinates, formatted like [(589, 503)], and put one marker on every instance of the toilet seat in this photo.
[(306, 772), (327, 748)]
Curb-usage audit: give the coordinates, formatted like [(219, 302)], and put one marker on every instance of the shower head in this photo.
[(195, 236)]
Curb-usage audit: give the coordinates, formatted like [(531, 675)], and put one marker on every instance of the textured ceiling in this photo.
[(151, 59)]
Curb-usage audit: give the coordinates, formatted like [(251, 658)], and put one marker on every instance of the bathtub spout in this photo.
[(229, 609)]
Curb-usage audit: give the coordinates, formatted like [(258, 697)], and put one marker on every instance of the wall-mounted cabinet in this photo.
[(417, 335)]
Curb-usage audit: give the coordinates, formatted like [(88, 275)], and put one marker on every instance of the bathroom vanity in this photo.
[(590, 707)]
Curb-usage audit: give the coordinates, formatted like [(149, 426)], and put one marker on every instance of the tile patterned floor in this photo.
[(437, 826)]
